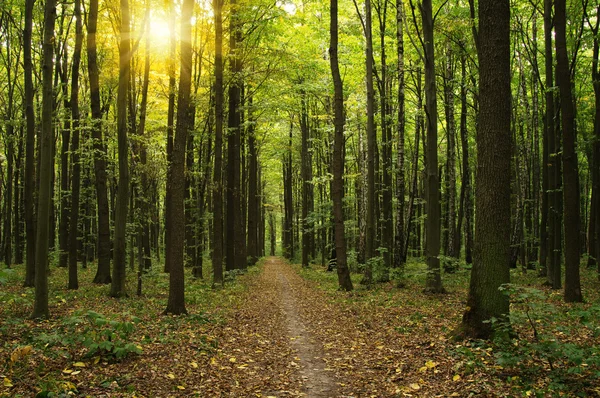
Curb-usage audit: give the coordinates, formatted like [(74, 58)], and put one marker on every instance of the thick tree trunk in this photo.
[(337, 192), (176, 172), (492, 188), (569, 159), (117, 288)]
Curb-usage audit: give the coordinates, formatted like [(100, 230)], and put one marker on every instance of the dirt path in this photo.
[(316, 381)]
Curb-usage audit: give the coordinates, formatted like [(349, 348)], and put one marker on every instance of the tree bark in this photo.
[(217, 244), (76, 175), (569, 160), (117, 288), (492, 189), (337, 193), (40, 305), (433, 283)]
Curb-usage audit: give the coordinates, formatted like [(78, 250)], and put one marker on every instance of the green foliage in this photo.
[(551, 341), (95, 334)]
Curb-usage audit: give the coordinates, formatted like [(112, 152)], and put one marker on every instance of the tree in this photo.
[(29, 148), (337, 192), (433, 283), (76, 174), (176, 172), (492, 189), (40, 305), (103, 270), (569, 158), (117, 288), (217, 241)]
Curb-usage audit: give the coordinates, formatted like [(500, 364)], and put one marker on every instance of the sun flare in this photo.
[(160, 32)]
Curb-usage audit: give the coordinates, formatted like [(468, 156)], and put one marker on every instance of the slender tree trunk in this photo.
[(337, 192), (371, 150), (29, 149), (453, 250), (569, 159), (305, 178), (117, 288), (76, 175), (594, 234), (433, 282), (40, 305), (466, 190), (217, 254), (253, 185), (104, 243), (399, 246)]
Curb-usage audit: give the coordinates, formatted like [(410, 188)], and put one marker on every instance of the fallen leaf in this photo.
[(456, 378), (67, 371), (79, 364), (194, 365), (171, 376), (181, 387), (7, 382), (415, 386)]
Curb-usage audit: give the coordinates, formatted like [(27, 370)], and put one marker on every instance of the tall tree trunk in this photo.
[(492, 188), (569, 159), (117, 288), (170, 116), (337, 191), (29, 148), (176, 172), (553, 267), (594, 234), (217, 240), (453, 250), (253, 186), (288, 231), (305, 178), (104, 243), (76, 175), (399, 246), (371, 150), (40, 305), (433, 283), (466, 190)]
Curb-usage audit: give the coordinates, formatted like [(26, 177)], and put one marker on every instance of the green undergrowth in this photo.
[(89, 329)]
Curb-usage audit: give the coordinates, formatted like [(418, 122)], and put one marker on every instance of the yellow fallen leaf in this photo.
[(213, 361), (75, 372), (139, 347), (181, 387), (431, 364), (423, 369), (380, 347), (415, 386), (96, 360), (67, 371), (232, 359), (194, 365), (79, 364), (7, 382), (171, 376), (456, 378)]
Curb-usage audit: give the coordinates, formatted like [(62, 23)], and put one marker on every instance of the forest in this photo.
[(178, 177)]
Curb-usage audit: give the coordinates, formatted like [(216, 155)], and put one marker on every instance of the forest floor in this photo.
[(283, 331)]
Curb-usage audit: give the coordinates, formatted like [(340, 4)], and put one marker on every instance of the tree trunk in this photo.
[(76, 175), (29, 149), (433, 283), (337, 192), (40, 305), (371, 150), (399, 246), (217, 244), (117, 288), (176, 174), (492, 188), (569, 159), (253, 185)]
